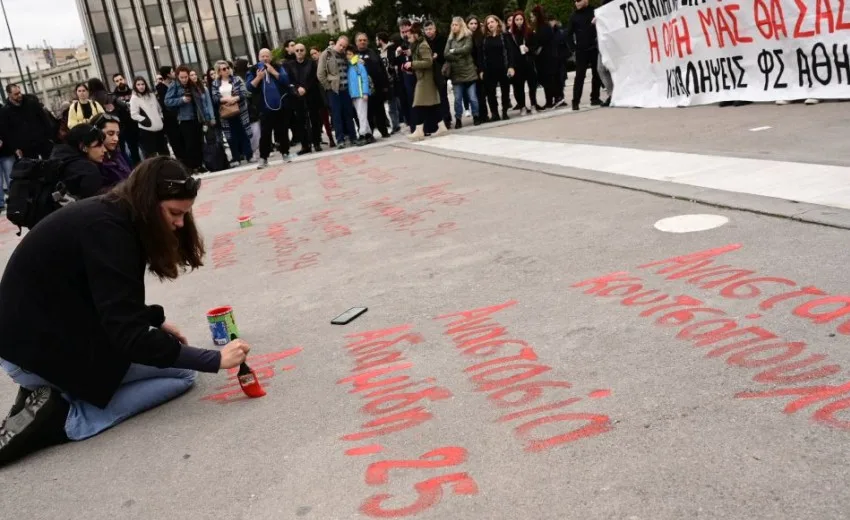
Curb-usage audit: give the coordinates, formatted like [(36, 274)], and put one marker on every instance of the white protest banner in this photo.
[(667, 53)]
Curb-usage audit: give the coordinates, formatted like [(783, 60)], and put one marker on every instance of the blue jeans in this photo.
[(342, 115), (239, 141), (6, 164), (143, 388), (465, 92), (394, 116)]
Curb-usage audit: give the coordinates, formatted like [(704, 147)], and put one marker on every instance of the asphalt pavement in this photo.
[(495, 375)]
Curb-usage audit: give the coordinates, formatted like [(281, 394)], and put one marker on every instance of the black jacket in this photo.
[(304, 75), (375, 68), (80, 175), (73, 300), (26, 127), (581, 31)]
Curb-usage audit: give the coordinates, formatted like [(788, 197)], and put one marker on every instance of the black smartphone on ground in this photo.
[(349, 315)]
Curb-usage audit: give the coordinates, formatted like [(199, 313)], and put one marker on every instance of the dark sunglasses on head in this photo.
[(102, 119), (177, 187)]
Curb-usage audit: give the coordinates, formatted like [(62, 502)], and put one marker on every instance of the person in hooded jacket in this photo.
[(80, 157), (147, 112)]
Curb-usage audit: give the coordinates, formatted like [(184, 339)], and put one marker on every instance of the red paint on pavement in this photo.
[(365, 450), (264, 367)]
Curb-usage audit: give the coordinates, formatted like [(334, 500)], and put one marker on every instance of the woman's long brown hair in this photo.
[(167, 252)]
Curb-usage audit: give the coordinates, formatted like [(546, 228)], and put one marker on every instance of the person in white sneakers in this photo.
[(146, 110)]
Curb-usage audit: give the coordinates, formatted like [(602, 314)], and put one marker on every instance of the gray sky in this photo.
[(56, 21), (33, 21)]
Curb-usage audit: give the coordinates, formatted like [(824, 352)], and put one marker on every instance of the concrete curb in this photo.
[(802, 212)]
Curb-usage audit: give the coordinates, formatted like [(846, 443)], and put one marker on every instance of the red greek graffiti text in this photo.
[(330, 226), (224, 250), (235, 182), (749, 347), (246, 204), (269, 176), (264, 365), (808, 302), (511, 380), (437, 194), (283, 194), (353, 160), (203, 209), (429, 492), (399, 218), (377, 175), (285, 246), (395, 403)]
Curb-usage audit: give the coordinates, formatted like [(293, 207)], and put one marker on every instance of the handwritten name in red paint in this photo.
[(269, 176), (285, 246), (437, 194), (698, 269), (399, 218), (330, 226), (235, 182), (353, 160), (283, 194), (509, 381), (377, 175), (265, 369), (330, 183), (203, 209), (224, 250), (780, 361), (397, 404), (429, 492), (246, 204)]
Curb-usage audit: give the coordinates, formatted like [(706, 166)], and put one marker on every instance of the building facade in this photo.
[(311, 16), (136, 37), (54, 85), (337, 21)]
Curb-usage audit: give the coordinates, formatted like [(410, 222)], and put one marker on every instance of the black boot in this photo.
[(40, 423), (505, 115), (20, 401), (495, 117), (476, 121), (458, 124)]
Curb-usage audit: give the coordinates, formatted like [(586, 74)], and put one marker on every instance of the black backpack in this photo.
[(35, 191)]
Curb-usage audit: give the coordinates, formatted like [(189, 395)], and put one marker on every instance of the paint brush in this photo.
[(248, 381)]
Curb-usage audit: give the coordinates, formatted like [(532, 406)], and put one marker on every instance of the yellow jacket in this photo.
[(75, 113)]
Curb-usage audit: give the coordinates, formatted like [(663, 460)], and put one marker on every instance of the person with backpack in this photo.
[(79, 159), (79, 339), (83, 109)]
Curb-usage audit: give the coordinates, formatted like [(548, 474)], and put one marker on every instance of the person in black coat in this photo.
[(80, 157), (581, 37), (79, 338), (25, 128), (477, 28), (498, 65), (307, 104), (547, 59), (526, 72)]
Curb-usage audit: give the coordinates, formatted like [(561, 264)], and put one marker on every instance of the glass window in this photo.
[(209, 30), (98, 21), (110, 64), (163, 57), (134, 43), (158, 36), (315, 25), (283, 19), (205, 9), (238, 47), (36, 87), (104, 43), (214, 50), (178, 12), (123, 3), (230, 8), (235, 25), (95, 5), (128, 21), (153, 14), (137, 60)]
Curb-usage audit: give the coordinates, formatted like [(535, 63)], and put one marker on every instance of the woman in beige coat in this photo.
[(426, 97)]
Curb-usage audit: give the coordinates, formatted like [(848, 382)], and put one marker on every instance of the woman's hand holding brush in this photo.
[(234, 353)]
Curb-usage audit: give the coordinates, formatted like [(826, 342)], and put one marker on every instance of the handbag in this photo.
[(226, 111)]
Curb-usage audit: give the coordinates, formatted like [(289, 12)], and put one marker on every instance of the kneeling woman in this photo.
[(78, 338)]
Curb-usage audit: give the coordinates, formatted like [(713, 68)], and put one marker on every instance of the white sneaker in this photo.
[(812, 101), (781, 102), (263, 164), (467, 113), (235, 164)]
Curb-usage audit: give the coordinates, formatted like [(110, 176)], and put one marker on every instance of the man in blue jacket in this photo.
[(271, 83)]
